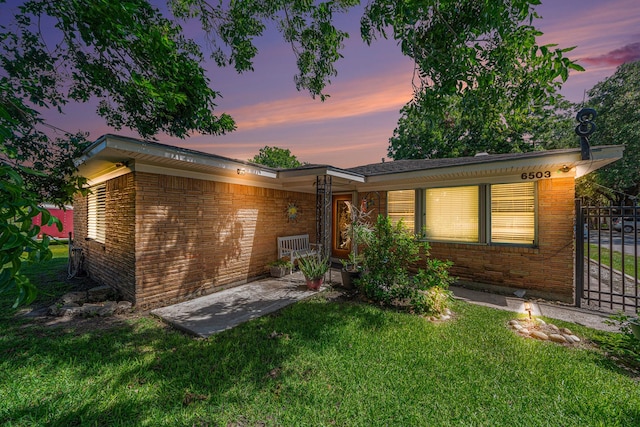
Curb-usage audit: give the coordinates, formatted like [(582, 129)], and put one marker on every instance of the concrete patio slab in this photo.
[(226, 309)]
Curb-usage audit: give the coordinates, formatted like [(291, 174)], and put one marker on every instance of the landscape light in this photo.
[(527, 308)]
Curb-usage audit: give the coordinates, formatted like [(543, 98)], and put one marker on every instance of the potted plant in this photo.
[(280, 267), (358, 232), (351, 269), (313, 269)]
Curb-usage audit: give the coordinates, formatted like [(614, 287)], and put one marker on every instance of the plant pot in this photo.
[(635, 328), (348, 277), (279, 271), (314, 284)]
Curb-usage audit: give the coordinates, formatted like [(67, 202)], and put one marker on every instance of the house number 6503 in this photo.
[(536, 175)]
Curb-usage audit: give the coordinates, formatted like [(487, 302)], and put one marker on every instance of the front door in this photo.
[(340, 244)]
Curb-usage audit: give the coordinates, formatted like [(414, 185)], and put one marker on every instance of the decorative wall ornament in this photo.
[(292, 212)]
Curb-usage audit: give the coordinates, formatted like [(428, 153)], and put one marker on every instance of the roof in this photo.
[(112, 155), (399, 166)]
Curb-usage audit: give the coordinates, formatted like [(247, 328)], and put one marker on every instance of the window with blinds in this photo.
[(96, 223), (513, 213), (401, 204), (452, 214)]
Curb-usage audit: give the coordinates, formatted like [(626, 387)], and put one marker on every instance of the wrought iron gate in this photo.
[(607, 248)]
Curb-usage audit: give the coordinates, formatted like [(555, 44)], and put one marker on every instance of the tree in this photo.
[(276, 158), (18, 233), (554, 126), (481, 75), (617, 101), (305, 25), (136, 63)]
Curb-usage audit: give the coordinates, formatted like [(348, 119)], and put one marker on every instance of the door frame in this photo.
[(336, 250)]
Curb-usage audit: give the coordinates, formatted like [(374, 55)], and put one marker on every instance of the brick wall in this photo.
[(194, 236), (170, 238), (112, 262), (546, 271)]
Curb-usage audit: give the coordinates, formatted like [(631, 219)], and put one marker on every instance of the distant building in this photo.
[(65, 216)]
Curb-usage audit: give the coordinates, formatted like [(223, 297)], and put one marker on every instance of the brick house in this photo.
[(164, 224)]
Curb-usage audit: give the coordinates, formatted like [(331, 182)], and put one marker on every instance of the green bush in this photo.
[(386, 280), (625, 345)]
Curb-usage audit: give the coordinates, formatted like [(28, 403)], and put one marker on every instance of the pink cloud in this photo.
[(614, 58), (368, 96)]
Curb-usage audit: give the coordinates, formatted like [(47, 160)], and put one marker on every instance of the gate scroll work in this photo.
[(607, 249)]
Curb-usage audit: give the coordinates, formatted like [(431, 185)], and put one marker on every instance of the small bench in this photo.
[(296, 247)]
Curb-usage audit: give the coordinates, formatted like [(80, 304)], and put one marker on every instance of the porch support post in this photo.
[(323, 214)]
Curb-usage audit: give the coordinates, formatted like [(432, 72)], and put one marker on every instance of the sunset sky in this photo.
[(354, 125)]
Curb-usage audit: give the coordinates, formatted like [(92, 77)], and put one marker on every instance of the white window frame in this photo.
[(96, 207)]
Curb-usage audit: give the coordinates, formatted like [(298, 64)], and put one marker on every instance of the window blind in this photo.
[(96, 223), (452, 214), (401, 204), (513, 213)]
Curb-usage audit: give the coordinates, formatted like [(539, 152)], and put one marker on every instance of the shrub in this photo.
[(386, 279)]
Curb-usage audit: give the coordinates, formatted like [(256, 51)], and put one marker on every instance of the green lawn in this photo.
[(608, 258), (315, 363)]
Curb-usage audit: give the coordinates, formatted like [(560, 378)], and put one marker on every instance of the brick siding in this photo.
[(112, 262), (171, 238), (546, 271)]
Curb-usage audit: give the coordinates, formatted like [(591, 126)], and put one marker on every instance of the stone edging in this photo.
[(543, 331)]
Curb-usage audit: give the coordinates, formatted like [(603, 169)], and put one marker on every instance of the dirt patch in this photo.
[(52, 288)]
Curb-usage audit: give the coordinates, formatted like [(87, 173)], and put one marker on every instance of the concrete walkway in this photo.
[(589, 318), (226, 309)]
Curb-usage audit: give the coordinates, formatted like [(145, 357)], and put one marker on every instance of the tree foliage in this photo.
[(276, 157), (617, 101), (480, 74), (306, 26), (18, 233), (138, 66)]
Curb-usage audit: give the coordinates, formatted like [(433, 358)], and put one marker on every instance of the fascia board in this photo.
[(504, 166), (131, 147)]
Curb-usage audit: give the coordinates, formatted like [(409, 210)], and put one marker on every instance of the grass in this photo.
[(315, 363), (631, 263)]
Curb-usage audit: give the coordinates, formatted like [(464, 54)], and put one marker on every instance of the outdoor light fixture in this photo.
[(565, 169), (527, 308), (241, 171)]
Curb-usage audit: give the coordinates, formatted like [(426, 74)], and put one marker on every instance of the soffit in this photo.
[(488, 169), (111, 156)]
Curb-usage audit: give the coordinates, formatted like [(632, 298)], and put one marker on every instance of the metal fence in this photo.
[(607, 249)]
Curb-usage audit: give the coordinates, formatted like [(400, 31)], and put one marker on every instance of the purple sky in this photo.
[(354, 125)]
